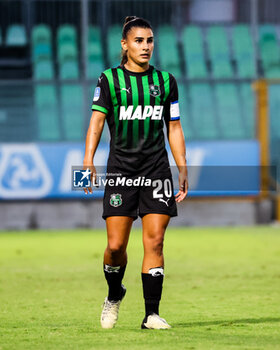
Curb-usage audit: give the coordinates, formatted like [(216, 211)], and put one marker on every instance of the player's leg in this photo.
[(119, 210), (115, 260), (115, 256), (154, 226)]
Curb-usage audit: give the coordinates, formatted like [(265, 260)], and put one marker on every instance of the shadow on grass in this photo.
[(228, 322)]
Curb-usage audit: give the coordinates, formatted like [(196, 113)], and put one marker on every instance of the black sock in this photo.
[(114, 276), (152, 289)]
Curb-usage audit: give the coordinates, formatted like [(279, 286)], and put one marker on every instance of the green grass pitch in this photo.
[(221, 291)]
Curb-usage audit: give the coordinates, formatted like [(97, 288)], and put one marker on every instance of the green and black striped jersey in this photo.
[(136, 105)]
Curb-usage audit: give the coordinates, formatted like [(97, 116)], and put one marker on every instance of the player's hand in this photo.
[(183, 185), (91, 167)]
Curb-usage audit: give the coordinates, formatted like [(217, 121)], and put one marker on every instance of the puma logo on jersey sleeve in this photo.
[(127, 90), (153, 112)]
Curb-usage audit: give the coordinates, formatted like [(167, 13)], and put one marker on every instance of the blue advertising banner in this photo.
[(38, 170)]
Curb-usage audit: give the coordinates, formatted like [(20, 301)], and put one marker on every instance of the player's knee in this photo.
[(116, 248), (157, 244)]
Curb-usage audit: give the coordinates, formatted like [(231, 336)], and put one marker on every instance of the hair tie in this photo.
[(131, 20)]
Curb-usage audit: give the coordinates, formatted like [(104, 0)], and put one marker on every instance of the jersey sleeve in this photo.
[(173, 99), (102, 99)]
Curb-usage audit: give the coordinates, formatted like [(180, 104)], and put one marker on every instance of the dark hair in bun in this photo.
[(129, 18), (130, 22)]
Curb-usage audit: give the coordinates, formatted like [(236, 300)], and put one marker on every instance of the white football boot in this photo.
[(109, 315), (153, 321)]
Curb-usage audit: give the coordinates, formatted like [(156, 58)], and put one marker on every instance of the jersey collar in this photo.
[(148, 71)]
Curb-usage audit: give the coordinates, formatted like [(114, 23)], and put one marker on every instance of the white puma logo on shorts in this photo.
[(166, 202)]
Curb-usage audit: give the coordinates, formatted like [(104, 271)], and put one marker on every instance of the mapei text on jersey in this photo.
[(153, 112)]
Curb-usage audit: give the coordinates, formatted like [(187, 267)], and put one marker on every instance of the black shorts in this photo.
[(152, 196)]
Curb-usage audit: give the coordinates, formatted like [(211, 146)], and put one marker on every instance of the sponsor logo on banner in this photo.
[(23, 172)]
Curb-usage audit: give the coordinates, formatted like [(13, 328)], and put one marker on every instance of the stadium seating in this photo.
[(224, 110), (16, 35), (185, 112), (18, 123), (114, 45), (219, 52), (42, 54), (69, 70), (72, 109), (269, 51), (274, 126), (95, 57), (43, 70), (66, 35), (41, 34), (193, 52), (229, 111), (274, 111), (105, 137), (153, 59), (202, 110), (47, 112), (169, 61), (243, 51), (248, 105), (67, 52), (41, 51)]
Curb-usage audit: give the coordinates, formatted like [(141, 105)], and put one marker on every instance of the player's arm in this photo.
[(92, 140), (178, 149)]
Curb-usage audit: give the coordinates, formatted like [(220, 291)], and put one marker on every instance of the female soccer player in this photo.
[(136, 99)]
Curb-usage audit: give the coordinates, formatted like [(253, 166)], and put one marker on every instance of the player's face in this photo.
[(139, 45)]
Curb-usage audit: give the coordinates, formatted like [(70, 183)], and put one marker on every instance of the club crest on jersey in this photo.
[(154, 90), (115, 200)]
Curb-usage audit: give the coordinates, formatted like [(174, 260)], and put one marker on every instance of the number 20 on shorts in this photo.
[(162, 185)]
